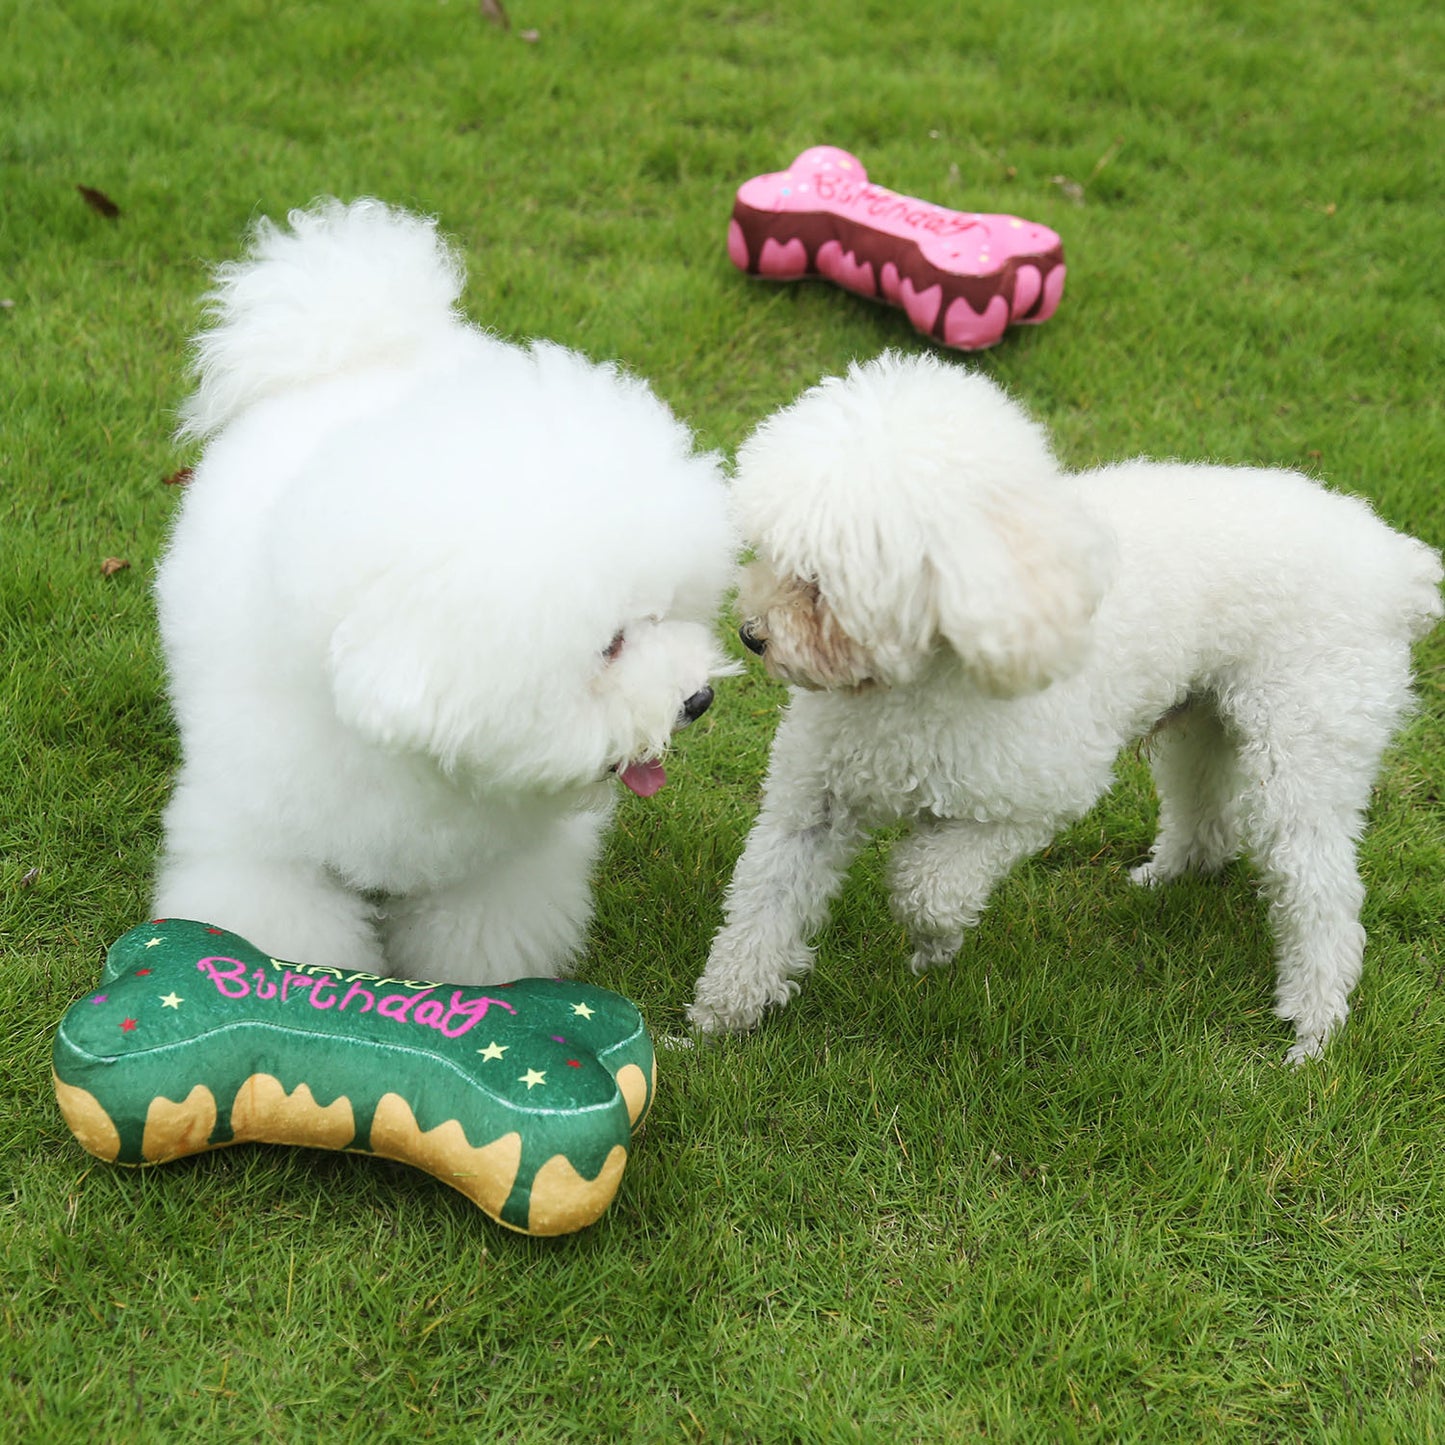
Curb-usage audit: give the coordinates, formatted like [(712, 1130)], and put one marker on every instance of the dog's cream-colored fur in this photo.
[(972, 634), (427, 590)]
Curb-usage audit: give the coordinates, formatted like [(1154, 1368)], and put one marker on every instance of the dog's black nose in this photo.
[(697, 704), (749, 634)]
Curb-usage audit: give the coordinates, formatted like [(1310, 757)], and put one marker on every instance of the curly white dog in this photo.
[(426, 592), (974, 633)]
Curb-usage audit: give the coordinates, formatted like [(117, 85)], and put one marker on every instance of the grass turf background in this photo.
[(1063, 1191)]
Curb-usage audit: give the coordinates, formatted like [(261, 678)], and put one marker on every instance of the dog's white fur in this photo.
[(973, 634), (427, 589)]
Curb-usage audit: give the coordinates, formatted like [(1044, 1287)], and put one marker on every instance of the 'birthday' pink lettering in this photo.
[(398, 1005), (466, 1013), (351, 993), (229, 980), (323, 988), (291, 980), (423, 1008)]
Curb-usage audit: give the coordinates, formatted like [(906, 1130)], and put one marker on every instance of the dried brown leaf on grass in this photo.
[(99, 202)]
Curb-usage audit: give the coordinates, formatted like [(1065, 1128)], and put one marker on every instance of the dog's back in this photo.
[(1266, 539)]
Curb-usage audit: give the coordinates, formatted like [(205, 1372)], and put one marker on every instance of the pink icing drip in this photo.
[(1053, 289), (737, 246), (1026, 289), (964, 328), (845, 268), (922, 306), (786, 261)]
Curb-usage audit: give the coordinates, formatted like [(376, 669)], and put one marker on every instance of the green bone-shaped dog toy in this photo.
[(522, 1095)]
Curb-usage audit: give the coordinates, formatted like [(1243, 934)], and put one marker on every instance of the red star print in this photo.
[(127, 1025), (215, 930), (573, 1064), (141, 972)]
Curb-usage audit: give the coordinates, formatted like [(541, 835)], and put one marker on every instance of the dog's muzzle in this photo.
[(751, 640)]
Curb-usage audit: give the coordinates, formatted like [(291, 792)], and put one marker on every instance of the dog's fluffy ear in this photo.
[(1015, 595), (400, 685), (381, 688), (384, 685), (1010, 583)]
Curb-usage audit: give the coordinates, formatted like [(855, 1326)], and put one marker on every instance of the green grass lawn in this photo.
[(1064, 1191)]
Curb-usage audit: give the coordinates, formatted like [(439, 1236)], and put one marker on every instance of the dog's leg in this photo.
[(793, 864), (943, 873), (1315, 895), (1197, 778), (294, 910), (522, 916), (1310, 754)]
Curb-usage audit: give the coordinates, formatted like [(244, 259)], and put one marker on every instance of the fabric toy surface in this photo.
[(523, 1096), (962, 277)]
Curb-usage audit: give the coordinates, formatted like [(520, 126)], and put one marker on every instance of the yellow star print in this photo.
[(172, 1000), (494, 1050), (582, 1011), (532, 1078)]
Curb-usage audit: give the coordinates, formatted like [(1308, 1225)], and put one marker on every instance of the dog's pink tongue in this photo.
[(644, 778)]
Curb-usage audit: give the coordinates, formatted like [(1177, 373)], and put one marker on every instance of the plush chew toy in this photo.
[(961, 277), (522, 1095)]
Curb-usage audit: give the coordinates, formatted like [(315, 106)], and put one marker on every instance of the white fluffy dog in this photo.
[(427, 591), (973, 633)]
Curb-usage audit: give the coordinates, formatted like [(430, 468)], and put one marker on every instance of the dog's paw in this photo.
[(709, 1019), (731, 1008), (934, 951), (1147, 875), (1309, 1043), (744, 978), (719, 1017), (1303, 1050), (1314, 1030)]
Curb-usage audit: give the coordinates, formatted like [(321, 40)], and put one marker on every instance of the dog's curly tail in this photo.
[(344, 286)]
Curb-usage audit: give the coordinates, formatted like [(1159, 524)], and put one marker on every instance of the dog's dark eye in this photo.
[(614, 647)]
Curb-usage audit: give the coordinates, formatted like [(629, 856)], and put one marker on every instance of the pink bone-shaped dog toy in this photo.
[(962, 277)]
